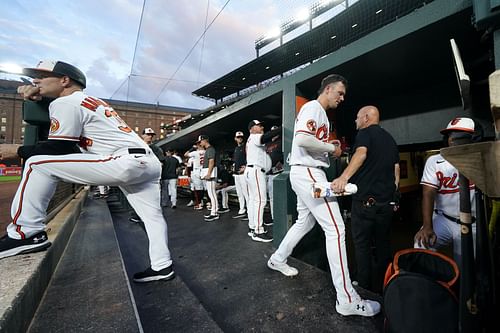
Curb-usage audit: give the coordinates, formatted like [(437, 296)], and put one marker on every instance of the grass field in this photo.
[(4, 179)]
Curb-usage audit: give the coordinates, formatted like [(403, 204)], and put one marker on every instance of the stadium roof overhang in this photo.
[(412, 72)]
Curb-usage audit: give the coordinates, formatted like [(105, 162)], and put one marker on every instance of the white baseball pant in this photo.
[(212, 195), (257, 198), (224, 195), (448, 232), (242, 192), (196, 181), (327, 213), (169, 189), (137, 175)]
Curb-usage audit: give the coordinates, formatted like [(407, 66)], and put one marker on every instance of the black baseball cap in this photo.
[(253, 123), (202, 137), (59, 68)]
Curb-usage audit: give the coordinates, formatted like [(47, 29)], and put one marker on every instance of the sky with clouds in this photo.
[(99, 37)]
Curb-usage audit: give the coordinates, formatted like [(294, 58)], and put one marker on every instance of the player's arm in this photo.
[(268, 137), (49, 147), (426, 236), (312, 144), (357, 160)]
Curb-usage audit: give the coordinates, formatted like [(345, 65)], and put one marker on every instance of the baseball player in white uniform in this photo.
[(258, 164), (196, 182), (110, 154), (309, 158), (441, 198)]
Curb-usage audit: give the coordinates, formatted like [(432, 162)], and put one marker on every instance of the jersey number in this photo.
[(92, 104)]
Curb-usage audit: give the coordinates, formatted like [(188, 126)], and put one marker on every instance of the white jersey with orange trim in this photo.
[(198, 157), (256, 152), (107, 160), (441, 175), (311, 120), (92, 122)]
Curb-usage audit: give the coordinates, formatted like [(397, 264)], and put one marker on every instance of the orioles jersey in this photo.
[(91, 122), (256, 152), (442, 176), (311, 120), (198, 157)]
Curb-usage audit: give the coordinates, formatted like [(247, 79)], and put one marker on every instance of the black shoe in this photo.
[(174, 206), (239, 216), (211, 218), (250, 232), (151, 275), (223, 210), (11, 247), (135, 219), (245, 218), (268, 223), (264, 237)]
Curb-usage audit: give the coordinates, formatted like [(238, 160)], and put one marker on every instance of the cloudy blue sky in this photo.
[(99, 36)]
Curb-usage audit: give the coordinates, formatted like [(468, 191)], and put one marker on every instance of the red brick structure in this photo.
[(137, 115)]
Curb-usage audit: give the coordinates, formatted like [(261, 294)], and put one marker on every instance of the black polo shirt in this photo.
[(375, 178)]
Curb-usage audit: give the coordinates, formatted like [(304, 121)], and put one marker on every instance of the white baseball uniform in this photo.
[(442, 176), (198, 157), (306, 169), (258, 163), (112, 154)]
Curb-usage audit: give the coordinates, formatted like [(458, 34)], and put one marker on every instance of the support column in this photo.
[(285, 201)]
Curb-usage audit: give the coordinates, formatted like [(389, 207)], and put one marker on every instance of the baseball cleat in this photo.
[(240, 215), (151, 275), (263, 237), (11, 247), (362, 307), (285, 269), (223, 210), (269, 223), (211, 218), (250, 232)]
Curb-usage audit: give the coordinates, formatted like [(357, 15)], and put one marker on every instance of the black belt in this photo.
[(251, 166), (137, 151), (451, 218), (308, 166)]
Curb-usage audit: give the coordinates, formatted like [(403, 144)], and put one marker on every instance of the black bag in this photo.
[(418, 293)]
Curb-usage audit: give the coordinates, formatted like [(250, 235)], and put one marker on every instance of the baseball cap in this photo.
[(58, 68), (459, 124), (202, 137), (239, 133), (253, 123), (274, 127), (148, 130)]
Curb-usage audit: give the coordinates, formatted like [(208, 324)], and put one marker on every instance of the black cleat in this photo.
[(11, 247), (151, 275)]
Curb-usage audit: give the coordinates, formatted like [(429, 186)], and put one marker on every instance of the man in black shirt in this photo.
[(374, 168), (169, 179)]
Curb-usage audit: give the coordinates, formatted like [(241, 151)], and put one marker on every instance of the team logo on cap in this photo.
[(54, 124), (311, 125), (455, 121)]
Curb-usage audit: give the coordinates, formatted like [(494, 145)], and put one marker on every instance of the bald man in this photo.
[(374, 168)]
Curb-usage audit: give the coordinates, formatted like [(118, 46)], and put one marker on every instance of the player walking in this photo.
[(309, 158)]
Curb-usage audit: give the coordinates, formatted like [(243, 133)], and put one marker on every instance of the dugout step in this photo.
[(24, 278), (89, 290)]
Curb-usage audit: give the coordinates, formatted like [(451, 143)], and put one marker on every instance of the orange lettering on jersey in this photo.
[(85, 142), (322, 133), (125, 129), (54, 124), (447, 182), (109, 112), (92, 103)]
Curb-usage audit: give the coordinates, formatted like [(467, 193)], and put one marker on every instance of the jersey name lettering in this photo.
[(447, 182)]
